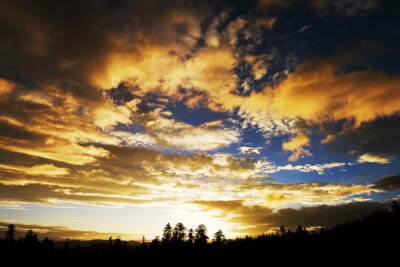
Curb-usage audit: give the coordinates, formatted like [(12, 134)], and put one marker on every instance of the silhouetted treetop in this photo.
[(178, 233), (219, 236), (167, 233), (191, 236), (200, 236), (282, 229), (10, 234)]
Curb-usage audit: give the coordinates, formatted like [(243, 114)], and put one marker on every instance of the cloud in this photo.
[(378, 137), (54, 194), (58, 233), (45, 169), (140, 176), (212, 37), (71, 53), (169, 133), (88, 93), (246, 150), (370, 158), (157, 70), (257, 219), (315, 92), (5, 87), (164, 56), (329, 138), (107, 116), (269, 167), (126, 176), (296, 144), (320, 168), (53, 124), (387, 183), (135, 176), (345, 8)]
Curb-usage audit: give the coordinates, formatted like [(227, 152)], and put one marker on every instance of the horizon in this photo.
[(122, 116), (20, 231)]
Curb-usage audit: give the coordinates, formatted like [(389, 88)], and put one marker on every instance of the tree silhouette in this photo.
[(300, 231), (358, 234), (200, 236), (65, 247), (144, 246), (191, 236), (322, 230), (10, 234), (394, 206), (167, 234), (77, 249), (178, 233), (155, 243), (31, 240), (117, 245), (48, 245), (282, 229), (110, 243), (219, 237)]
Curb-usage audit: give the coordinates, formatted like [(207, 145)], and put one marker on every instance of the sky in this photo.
[(117, 117)]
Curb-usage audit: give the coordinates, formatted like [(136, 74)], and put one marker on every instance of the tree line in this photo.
[(373, 234)]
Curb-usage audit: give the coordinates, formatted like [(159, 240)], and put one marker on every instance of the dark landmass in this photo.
[(99, 243)]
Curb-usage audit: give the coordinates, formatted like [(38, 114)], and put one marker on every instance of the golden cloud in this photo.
[(296, 145), (315, 92), (157, 70), (44, 169), (371, 158), (5, 87), (138, 175)]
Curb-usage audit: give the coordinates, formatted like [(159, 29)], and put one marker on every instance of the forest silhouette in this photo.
[(373, 237)]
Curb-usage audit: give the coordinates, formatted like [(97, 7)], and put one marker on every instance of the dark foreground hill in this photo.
[(373, 238)]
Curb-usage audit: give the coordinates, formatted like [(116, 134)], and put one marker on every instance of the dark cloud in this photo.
[(387, 183), (345, 8), (262, 218), (13, 132), (325, 215), (61, 43), (379, 136)]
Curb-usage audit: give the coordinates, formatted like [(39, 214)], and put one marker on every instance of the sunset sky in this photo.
[(117, 117)]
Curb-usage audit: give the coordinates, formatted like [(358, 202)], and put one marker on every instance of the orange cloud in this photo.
[(315, 92), (155, 69), (296, 145), (44, 169), (5, 87)]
